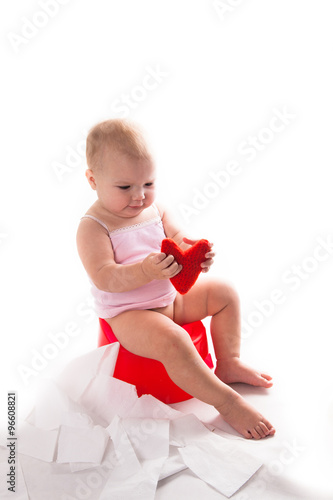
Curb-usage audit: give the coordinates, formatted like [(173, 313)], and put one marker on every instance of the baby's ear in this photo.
[(91, 178)]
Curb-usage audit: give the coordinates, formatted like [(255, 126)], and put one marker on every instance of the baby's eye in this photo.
[(124, 187), (149, 184)]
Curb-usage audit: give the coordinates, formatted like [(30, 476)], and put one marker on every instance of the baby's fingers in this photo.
[(157, 258), (205, 266), (167, 261), (168, 266), (172, 270)]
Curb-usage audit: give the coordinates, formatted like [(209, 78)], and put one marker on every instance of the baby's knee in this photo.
[(232, 294), (173, 341), (224, 293)]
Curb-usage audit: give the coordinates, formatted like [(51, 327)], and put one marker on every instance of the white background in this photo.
[(223, 76)]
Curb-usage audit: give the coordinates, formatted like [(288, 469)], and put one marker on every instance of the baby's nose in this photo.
[(139, 194)]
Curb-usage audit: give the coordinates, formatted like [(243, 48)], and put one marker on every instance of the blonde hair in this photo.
[(121, 136)]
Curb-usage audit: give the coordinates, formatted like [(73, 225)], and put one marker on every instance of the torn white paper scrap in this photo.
[(106, 397), (77, 419), (37, 443), (220, 464), (54, 481), (87, 366), (81, 444), (150, 440), (149, 407), (136, 487), (187, 429), (149, 437), (108, 361), (111, 458), (130, 479), (128, 463), (173, 464), (83, 466)]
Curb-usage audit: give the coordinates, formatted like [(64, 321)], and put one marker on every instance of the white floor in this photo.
[(295, 347), (298, 460)]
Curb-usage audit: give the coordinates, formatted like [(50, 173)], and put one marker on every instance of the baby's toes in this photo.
[(262, 430), (266, 380), (256, 433), (247, 434), (267, 427)]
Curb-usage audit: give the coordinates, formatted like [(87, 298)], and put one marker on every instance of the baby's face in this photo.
[(125, 186)]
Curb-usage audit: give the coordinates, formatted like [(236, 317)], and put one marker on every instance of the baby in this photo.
[(119, 243)]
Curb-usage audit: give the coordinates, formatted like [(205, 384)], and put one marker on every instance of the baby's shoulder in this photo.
[(89, 222), (92, 221), (159, 207)]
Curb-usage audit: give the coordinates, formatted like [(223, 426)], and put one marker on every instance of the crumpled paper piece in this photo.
[(214, 459), (104, 442), (36, 442), (220, 464), (81, 443), (140, 460)]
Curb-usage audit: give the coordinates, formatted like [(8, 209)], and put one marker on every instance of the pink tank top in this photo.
[(132, 244)]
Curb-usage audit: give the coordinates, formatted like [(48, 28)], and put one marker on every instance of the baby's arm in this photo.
[(97, 257), (172, 229)]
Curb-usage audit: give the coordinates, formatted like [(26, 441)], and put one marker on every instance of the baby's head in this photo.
[(120, 137), (120, 166)]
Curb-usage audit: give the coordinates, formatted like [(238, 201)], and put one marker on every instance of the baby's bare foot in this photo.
[(245, 419), (232, 370)]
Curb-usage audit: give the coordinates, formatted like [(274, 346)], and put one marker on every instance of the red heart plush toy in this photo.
[(190, 259)]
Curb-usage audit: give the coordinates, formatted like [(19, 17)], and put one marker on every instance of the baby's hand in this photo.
[(209, 255), (159, 266)]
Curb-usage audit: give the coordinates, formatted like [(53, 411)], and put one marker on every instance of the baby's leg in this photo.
[(218, 300), (154, 335)]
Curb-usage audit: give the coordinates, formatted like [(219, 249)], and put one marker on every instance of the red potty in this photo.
[(148, 375)]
